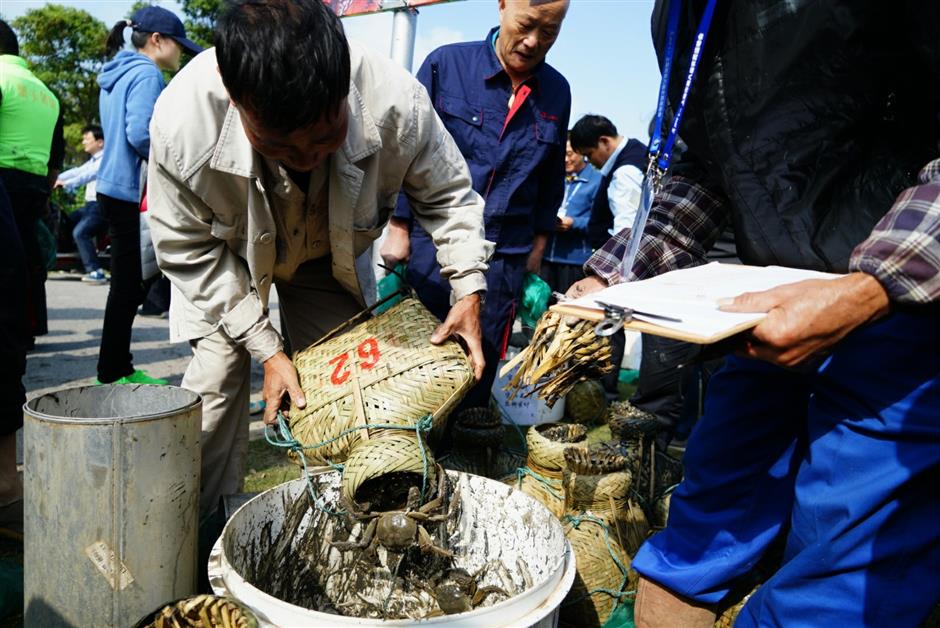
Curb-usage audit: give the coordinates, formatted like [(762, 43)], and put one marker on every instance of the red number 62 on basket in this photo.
[(368, 353)]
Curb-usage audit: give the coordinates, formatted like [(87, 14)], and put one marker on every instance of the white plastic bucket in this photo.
[(542, 546), (523, 410)]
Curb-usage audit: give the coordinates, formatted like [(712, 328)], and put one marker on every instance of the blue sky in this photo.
[(604, 49)]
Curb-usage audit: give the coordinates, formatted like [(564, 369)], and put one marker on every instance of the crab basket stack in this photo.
[(478, 445), (656, 473), (541, 478), (596, 488), (380, 371)]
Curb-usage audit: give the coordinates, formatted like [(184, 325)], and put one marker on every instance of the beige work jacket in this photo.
[(210, 213)]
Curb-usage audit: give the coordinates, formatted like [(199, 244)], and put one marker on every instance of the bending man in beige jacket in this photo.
[(278, 156)]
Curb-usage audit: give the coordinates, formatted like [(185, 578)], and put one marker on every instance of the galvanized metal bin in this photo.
[(112, 503)]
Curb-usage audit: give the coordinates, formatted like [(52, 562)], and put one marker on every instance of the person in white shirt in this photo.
[(89, 223), (621, 162)]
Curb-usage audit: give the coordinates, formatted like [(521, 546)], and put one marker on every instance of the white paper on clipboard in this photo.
[(692, 294)]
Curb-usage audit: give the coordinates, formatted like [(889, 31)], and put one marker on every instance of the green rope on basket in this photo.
[(521, 472), (619, 594), (285, 440)]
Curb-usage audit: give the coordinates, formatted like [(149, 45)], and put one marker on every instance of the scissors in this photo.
[(615, 317)]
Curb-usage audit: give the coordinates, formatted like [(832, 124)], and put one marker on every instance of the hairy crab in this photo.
[(400, 530)]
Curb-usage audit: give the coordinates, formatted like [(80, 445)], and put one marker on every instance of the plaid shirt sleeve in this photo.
[(685, 220), (903, 250)]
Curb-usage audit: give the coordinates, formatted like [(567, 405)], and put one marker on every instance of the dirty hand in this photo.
[(564, 224), (464, 320), (534, 263), (397, 245), (808, 317), (584, 287), (58, 184), (280, 378)]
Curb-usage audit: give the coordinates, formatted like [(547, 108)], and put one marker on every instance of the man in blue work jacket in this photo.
[(508, 111)]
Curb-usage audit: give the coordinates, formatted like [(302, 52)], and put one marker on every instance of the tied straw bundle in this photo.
[(201, 611), (563, 351)]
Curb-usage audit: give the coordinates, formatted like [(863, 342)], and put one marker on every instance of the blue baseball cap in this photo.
[(159, 20)]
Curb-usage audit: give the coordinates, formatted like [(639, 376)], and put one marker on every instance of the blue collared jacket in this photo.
[(573, 246), (519, 170)]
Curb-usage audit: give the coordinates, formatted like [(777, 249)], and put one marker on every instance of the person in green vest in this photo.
[(31, 153)]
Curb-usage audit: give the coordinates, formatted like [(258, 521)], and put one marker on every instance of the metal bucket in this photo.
[(112, 503), (497, 524)]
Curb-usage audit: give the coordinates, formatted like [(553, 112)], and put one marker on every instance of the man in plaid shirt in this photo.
[(797, 137)]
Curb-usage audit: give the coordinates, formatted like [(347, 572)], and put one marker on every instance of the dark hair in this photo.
[(9, 44), (287, 61), (115, 40), (94, 129), (588, 131)]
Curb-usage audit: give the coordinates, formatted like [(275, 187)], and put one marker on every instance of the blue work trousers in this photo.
[(503, 286), (845, 460)]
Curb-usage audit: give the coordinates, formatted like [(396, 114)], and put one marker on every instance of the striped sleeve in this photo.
[(903, 250), (685, 220)]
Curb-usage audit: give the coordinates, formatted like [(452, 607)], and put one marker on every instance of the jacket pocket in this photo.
[(546, 131), (460, 108), (373, 222), (228, 227)]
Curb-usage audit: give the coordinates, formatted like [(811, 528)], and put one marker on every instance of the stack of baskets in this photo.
[(374, 389), (541, 478), (478, 445), (597, 484), (656, 473)]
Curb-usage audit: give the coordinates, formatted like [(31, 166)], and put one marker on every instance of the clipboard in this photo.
[(689, 297)]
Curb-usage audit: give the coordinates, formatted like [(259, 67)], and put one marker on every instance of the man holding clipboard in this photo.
[(813, 129)]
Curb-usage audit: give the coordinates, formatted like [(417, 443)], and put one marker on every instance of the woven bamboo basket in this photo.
[(542, 478), (597, 484), (479, 418), (661, 509), (547, 443), (395, 455), (586, 402), (380, 370), (478, 445), (596, 570), (200, 611), (629, 423), (596, 480), (599, 481), (542, 485)]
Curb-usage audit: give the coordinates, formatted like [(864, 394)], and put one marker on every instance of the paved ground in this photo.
[(68, 355)]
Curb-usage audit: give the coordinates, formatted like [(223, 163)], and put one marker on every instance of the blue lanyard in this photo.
[(675, 8), (660, 152)]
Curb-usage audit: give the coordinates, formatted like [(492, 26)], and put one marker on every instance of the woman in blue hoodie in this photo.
[(130, 84)]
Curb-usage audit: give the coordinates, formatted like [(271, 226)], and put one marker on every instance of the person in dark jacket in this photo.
[(14, 334), (813, 128), (508, 111), (130, 84)]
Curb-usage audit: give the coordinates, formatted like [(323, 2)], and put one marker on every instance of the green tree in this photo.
[(65, 49), (200, 19)]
